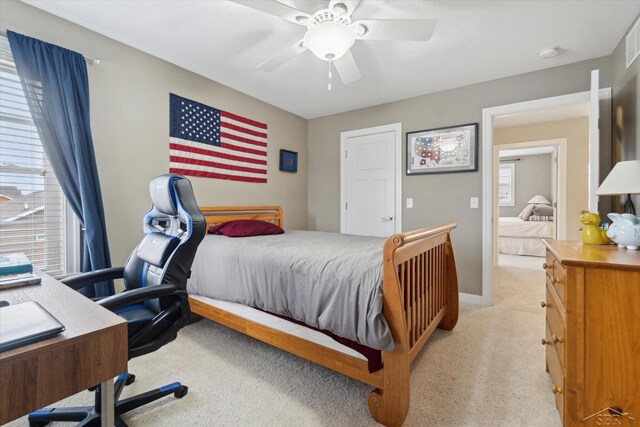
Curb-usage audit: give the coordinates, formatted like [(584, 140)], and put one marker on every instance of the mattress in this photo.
[(329, 281), (515, 227), (266, 319)]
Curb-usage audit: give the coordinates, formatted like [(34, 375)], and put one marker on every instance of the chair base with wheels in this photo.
[(89, 416)]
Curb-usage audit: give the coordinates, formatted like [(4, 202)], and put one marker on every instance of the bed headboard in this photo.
[(218, 214)]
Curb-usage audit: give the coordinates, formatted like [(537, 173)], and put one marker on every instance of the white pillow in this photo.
[(526, 212)]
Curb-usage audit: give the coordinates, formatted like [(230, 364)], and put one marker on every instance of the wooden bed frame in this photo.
[(420, 294)]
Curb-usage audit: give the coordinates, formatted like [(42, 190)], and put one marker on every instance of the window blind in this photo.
[(32, 205)]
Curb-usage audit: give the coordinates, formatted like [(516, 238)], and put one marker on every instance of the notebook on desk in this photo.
[(26, 323)]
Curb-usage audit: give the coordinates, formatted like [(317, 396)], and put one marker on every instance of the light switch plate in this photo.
[(409, 203), (473, 203)]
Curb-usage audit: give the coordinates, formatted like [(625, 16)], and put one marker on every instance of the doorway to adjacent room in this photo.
[(589, 149)]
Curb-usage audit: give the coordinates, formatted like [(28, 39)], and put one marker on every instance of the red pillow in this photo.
[(245, 228), (213, 229)]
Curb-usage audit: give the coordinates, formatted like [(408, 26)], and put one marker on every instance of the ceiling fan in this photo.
[(331, 33)]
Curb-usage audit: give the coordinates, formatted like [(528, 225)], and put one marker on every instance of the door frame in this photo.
[(488, 115), (561, 185), (344, 136)]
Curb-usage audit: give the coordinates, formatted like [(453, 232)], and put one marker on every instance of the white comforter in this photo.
[(515, 227)]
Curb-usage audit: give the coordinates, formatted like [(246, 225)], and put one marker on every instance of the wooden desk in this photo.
[(92, 350)]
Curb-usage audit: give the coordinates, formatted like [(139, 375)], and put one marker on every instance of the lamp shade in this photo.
[(624, 178), (539, 199)]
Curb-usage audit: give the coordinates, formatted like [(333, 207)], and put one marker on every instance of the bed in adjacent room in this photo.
[(520, 237), (321, 296)]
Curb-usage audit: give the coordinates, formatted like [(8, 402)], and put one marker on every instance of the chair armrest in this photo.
[(133, 296), (81, 280)]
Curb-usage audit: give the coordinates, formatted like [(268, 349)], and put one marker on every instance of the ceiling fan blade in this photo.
[(396, 29), (275, 8), (349, 4), (282, 57), (347, 68)]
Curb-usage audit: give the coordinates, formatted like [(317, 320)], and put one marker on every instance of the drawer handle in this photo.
[(546, 266), (544, 304), (555, 389), (556, 339), (545, 342), (556, 281)]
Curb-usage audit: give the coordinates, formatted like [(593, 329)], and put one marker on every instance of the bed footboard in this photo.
[(420, 293)]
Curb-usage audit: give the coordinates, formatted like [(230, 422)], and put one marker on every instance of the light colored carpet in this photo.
[(489, 370)]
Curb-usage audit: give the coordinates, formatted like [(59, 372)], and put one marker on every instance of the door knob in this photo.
[(386, 219)]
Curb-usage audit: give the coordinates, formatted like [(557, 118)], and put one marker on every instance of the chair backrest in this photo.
[(174, 227)]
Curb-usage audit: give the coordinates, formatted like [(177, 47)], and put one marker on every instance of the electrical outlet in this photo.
[(409, 203), (473, 203)]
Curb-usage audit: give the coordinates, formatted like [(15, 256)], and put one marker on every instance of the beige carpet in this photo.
[(489, 370)]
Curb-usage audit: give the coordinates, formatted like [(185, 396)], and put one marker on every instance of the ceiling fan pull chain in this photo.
[(330, 75)]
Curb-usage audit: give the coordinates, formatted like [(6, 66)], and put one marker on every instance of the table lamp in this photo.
[(539, 199), (624, 178)]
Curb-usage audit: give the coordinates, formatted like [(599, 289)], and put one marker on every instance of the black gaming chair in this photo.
[(155, 300)]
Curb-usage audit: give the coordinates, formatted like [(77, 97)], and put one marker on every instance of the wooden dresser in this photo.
[(593, 333)]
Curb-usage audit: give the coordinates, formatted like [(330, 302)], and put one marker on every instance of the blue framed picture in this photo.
[(288, 161)]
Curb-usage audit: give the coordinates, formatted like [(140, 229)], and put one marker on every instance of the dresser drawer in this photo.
[(555, 342), (548, 265), (558, 279), (556, 312), (555, 273), (557, 379)]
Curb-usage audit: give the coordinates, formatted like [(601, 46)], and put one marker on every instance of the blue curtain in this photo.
[(56, 86)]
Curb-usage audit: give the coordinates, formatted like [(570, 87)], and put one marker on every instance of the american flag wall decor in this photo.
[(211, 143)]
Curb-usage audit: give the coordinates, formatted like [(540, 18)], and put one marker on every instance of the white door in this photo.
[(594, 141), (369, 180)]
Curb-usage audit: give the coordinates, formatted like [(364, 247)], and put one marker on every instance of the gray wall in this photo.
[(130, 125), (626, 112), (532, 177), (437, 198)]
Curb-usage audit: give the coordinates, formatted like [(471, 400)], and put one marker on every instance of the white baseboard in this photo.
[(471, 298)]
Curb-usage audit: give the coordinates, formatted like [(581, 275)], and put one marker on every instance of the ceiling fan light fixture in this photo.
[(329, 40)]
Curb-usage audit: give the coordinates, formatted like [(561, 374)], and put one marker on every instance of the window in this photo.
[(506, 184), (34, 216)]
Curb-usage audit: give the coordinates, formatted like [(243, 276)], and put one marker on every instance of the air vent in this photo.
[(632, 43)]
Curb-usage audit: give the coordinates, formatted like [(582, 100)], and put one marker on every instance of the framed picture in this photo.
[(288, 161), (507, 184), (443, 150)]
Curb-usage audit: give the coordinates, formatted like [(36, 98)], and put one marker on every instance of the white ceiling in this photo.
[(474, 41), (541, 116)]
